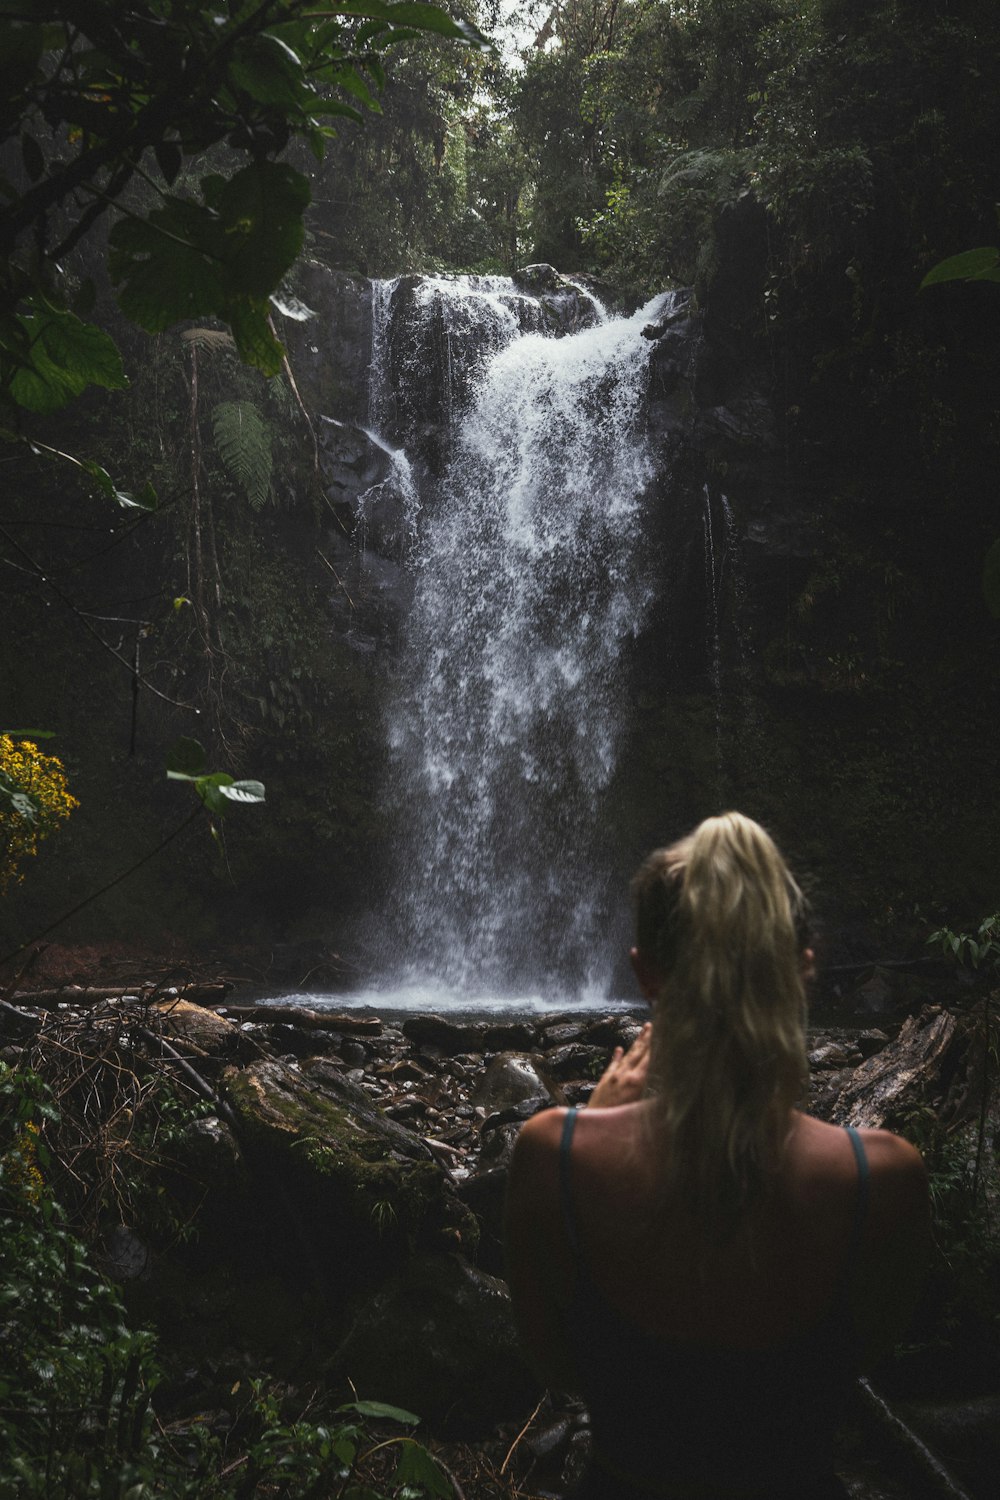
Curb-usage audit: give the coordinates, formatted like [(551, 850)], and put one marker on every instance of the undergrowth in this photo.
[(77, 1413)]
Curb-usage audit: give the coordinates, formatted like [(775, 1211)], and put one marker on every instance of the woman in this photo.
[(708, 1266)]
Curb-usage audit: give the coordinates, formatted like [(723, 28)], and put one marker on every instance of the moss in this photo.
[(346, 1176)]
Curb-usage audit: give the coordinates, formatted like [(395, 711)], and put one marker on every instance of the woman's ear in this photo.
[(808, 965), (649, 985)]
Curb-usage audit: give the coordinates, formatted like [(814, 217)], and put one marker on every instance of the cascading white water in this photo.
[(510, 695)]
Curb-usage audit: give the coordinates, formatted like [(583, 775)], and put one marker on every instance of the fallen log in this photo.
[(90, 994), (927, 1065), (309, 1020), (911, 1447)]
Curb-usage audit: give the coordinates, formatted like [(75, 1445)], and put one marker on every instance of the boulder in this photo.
[(614, 1031), (17, 1025), (574, 1060), (209, 1149), (513, 1078), (559, 1036), (485, 1192), (828, 1055), (439, 1340), (453, 1037)]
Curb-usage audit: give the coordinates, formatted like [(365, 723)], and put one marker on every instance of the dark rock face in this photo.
[(385, 368), (331, 351)]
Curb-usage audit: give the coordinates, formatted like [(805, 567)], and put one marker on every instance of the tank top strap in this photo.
[(860, 1205), (566, 1188)]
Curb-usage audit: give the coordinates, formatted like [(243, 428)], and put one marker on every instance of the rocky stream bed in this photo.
[(326, 1204)]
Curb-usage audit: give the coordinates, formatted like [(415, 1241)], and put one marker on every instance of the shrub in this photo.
[(34, 800)]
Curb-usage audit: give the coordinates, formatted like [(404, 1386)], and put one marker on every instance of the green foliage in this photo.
[(34, 801), (979, 950), (243, 439), (76, 1382), (217, 789), (221, 257), (403, 194), (55, 356), (76, 1421), (91, 89), (966, 1250), (971, 265)]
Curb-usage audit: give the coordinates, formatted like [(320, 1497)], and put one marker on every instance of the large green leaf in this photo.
[(417, 1467), (261, 208), (58, 356), (972, 265), (84, 349), (251, 329), (381, 1409), (269, 71), (169, 266), (423, 17)]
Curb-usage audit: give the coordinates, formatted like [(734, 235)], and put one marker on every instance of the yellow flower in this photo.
[(34, 800), (19, 1166)]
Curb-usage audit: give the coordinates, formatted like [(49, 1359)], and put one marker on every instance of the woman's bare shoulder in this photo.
[(891, 1153), (543, 1129), (894, 1164), (883, 1150), (537, 1141), (898, 1169)]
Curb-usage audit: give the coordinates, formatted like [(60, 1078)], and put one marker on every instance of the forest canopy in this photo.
[(802, 165), (114, 110)]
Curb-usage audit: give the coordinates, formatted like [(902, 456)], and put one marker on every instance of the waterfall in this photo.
[(379, 394), (511, 690)]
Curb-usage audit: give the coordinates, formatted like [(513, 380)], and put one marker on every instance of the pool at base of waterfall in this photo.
[(431, 998)]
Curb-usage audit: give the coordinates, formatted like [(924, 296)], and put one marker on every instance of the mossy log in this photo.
[(363, 1184)]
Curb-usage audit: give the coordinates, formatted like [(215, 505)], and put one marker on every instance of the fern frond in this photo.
[(701, 167), (243, 439)]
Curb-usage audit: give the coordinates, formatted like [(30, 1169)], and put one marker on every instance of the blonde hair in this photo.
[(721, 925)]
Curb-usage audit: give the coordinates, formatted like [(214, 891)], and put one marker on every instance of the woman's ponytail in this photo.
[(721, 924)]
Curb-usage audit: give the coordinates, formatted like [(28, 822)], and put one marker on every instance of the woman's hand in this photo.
[(624, 1079)]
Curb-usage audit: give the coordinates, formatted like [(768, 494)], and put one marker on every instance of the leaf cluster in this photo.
[(98, 99), (217, 789), (979, 950)]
